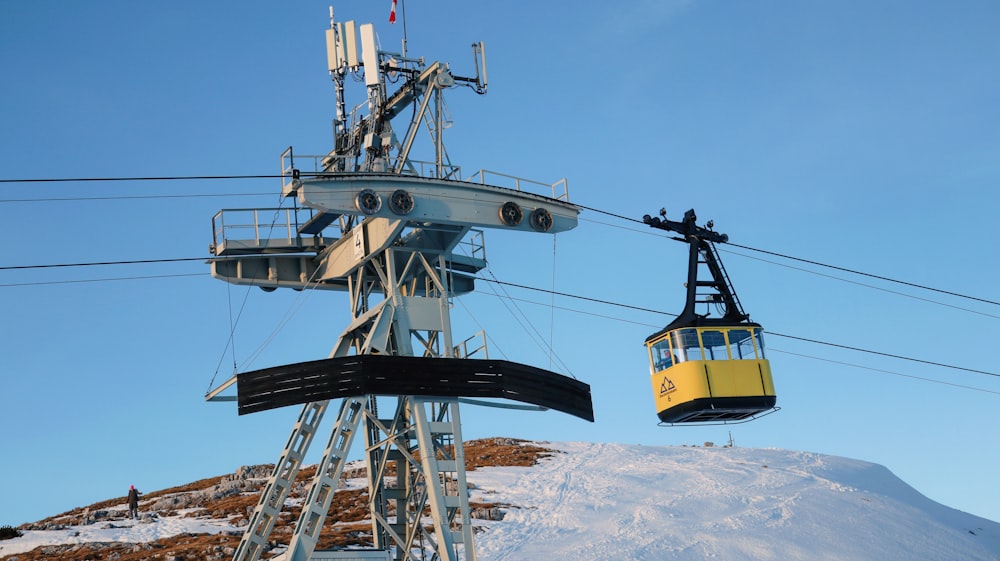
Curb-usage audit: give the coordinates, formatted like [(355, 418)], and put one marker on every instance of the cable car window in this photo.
[(742, 344), (715, 345), (759, 335), (662, 358), (686, 346)]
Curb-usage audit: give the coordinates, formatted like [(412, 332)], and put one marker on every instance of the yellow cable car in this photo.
[(708, 369)]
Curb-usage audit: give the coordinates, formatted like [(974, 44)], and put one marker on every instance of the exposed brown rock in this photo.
[(234, 496)]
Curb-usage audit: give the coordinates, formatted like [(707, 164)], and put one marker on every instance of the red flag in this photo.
[(392, 14)]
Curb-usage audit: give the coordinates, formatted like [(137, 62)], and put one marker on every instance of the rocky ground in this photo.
[(233, 497)]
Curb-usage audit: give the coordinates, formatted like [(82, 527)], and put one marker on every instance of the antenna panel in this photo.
[(334, 56), (341, 46), (349, 42), (482, 59), (369, 54)]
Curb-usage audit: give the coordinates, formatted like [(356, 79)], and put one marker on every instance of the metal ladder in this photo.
[(279, 485), (324, 484), (720, 282), (442, 457)]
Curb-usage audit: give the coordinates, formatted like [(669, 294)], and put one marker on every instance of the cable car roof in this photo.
[(702, 322)]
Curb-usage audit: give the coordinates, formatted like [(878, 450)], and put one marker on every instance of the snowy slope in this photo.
[(124, 532), (593, 501), (613, 501)]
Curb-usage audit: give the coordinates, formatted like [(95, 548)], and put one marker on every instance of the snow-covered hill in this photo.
[(590, 501), (614, 501)]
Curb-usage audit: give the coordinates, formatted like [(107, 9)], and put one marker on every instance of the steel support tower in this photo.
[(402, 237)]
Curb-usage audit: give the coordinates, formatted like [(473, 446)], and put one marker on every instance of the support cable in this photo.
[(871, 286), (771, 349), (157, 178), (526, 287), (552, 308), (592, 209), (134, 197), (870, 275), (584, 207), (101, 263), (522, 319), (921, 378), (819, 264), (599, 211), (231, 340), (567, 295), (293, 309), (105, 279), (771, 333)]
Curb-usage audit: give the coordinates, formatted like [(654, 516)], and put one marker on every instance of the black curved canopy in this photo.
[(317, 380)]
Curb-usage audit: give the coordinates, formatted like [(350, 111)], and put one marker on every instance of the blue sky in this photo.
[(859, 134)]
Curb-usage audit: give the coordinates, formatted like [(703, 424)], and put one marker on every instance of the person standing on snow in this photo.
[(133, 502)]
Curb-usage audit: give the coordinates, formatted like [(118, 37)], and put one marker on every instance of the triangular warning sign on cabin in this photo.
[(666, 386)]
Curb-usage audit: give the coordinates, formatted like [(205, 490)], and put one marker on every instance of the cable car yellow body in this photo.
[(711, 374)]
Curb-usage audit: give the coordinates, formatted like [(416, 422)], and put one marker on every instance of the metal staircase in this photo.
[(254, 540), (324, 484)]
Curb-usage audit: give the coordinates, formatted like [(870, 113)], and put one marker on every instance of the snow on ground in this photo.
[(613, 501), (123, 531), (593, 501), (148, 529)]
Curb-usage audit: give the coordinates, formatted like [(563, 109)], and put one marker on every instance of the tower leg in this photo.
[(324, 485), (422, 443), (280, 483), (442, 458)]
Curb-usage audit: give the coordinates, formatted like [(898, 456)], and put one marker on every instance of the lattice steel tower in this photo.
[(387, 229)]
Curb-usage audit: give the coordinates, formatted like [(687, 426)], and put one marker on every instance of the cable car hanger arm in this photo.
[(701, 243), (687, 226)]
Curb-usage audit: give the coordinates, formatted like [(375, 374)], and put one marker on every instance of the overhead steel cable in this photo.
[(158, 178), (820, 264), (772, 349), (869, 275), (871, 286), (152, 178), (584, 207), (104, 279), (863, 367), (526, 287), (802, 269), (890, 355), (577, 297), (101, 263), (133, 197), (619, 216), (844, 269), (772, 333)]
